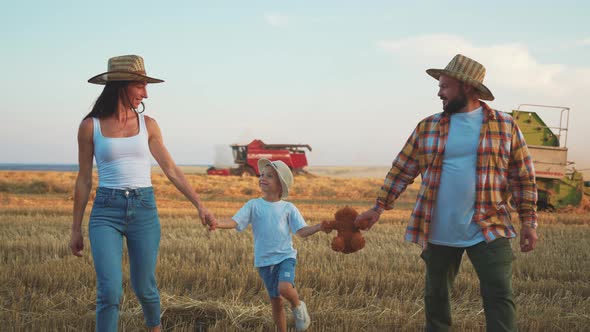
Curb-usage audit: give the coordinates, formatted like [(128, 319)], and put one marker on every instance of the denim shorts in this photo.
[(273, 274)]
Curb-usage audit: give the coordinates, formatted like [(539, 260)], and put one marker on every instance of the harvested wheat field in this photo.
[(208, 283)]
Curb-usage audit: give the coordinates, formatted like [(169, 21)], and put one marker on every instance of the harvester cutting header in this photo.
[(246, 157)]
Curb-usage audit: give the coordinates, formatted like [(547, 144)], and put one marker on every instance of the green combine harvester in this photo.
[(559, 184)]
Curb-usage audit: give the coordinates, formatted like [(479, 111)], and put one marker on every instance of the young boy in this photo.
[(272, 222)]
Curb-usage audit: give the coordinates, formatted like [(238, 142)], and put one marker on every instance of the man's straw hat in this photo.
[(124, 68), (284, 172), (466, 70)]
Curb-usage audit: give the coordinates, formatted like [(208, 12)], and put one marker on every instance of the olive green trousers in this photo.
[(493, 264)]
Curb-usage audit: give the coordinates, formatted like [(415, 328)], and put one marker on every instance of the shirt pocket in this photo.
[(500, 151)]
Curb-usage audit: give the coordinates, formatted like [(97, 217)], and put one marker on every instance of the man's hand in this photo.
[(367, 219), (76, 243), (528, 239)]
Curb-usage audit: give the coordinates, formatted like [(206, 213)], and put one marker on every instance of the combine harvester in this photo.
[(559, 183), (246, 157)]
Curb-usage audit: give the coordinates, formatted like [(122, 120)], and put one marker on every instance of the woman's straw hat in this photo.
[(284, 172), (124, 68), (466, 70)]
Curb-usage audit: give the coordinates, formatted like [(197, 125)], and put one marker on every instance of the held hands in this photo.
[(212, 223), (528, 239), (225, 223), (367, 219), (76, 243), (207, 218)]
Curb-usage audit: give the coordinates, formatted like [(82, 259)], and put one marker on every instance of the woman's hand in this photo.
[(77, 243), (206, 217), (212, 224), (83, 184)]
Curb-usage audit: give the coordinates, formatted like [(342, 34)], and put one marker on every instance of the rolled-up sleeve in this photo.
[(521, 177), (404, 170)]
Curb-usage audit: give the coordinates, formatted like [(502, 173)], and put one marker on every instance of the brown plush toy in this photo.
[(349, 238)]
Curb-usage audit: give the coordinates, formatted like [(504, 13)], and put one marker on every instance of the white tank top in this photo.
[(123, 162)]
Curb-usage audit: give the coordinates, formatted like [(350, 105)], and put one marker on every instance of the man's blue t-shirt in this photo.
[(272, 225), (454, 207)]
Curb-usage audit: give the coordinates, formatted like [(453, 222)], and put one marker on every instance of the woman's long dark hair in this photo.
[(106, 103)]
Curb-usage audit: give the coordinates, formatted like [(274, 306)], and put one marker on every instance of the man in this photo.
[(471, 158)]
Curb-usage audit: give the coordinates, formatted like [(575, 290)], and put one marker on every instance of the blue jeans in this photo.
[(131, 214)]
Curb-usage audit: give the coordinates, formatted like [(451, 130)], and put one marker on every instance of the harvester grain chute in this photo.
[(246, 158), (559, 183)]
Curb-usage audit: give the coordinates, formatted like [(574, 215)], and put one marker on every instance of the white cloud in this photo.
[(583, 42), (509, 65), (276, 19)]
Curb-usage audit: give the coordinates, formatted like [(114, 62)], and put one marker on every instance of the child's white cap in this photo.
[(283, 171)]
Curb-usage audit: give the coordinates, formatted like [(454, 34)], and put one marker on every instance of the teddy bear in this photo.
[(349, 238)]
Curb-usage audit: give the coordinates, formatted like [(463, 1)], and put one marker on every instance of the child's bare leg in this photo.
[(278, 314), (289, 292)]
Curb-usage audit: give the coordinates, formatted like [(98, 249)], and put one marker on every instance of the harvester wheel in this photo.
[(543, 203)]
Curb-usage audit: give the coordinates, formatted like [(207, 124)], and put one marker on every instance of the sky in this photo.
[(346, 77)]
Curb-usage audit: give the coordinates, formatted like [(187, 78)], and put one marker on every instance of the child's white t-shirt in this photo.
[(272, 223)]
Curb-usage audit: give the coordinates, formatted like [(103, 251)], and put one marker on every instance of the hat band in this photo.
[(136, 72)]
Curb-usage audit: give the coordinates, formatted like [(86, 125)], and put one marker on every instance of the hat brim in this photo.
[(111, 76), (285, 189), (484, 92)]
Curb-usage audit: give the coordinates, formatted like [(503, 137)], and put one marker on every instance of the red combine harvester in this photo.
[(246, 157)]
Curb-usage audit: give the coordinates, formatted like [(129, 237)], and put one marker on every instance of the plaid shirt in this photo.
[(504, 167)]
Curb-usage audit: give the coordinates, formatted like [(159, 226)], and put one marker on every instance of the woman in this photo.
[(121, 139)]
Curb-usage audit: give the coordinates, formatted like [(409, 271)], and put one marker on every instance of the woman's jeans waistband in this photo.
[(125, 192)]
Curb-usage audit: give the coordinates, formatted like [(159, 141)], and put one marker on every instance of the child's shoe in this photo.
[(302, 320)]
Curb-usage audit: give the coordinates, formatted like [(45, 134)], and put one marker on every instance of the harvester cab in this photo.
[(559, 184), (240, 153)]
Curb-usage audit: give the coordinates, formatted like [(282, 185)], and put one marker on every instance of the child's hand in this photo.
[(224, 223), (327, 226)]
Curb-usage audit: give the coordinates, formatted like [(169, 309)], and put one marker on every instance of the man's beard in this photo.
[(456, 104)]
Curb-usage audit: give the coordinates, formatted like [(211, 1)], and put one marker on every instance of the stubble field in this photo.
[(207, 280)]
